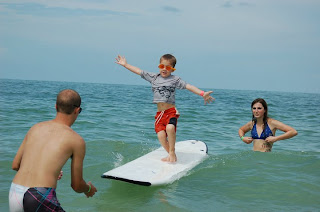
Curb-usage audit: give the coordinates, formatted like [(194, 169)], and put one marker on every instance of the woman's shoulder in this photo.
[(248, 125), (273, 123), (270, 120)]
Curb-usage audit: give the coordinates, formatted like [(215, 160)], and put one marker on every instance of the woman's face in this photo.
[(258, 110)]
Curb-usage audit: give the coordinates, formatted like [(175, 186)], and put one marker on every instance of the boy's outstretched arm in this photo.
[(206, 95), (122, 61)]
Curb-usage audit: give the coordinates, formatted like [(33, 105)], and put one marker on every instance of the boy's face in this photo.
[(163, 71)]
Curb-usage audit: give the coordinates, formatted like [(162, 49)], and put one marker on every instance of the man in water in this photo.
[(44, 151)]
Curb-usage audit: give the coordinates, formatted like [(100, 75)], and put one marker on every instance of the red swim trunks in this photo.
[(163, 118)]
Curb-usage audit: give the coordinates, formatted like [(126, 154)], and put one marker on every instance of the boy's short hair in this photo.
[(170, 58)]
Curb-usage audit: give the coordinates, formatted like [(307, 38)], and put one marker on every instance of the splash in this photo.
[(118, 158)]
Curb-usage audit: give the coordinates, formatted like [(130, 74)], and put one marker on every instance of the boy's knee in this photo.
[(162, 134), (170, 128)]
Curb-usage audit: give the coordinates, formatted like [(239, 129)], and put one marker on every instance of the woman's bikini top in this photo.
[(265, 133)]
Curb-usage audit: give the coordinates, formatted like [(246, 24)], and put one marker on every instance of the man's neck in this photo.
[(64, 119)]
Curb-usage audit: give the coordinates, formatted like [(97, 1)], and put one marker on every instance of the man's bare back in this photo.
[(53, 141)]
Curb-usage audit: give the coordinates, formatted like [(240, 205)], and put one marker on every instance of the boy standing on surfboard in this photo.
[(163, 87)]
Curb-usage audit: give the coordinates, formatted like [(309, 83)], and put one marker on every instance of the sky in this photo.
[(271, 45)]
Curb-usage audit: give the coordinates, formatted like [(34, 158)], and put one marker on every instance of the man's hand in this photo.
[(92, 191)]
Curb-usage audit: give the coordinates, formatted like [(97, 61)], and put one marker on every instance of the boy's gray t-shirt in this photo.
[(164, 89)]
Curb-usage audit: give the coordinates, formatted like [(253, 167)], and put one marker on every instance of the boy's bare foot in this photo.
[(165, 159), (171, 158)]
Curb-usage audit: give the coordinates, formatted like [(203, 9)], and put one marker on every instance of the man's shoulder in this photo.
[(57, 128), (39, 126), (74, 136), (41, 123)]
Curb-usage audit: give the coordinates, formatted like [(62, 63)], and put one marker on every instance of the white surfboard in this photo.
[(149, 170)]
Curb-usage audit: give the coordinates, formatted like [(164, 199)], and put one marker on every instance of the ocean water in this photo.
[(117, 125)]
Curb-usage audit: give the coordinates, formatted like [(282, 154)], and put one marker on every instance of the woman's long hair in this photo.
[(265, 117)]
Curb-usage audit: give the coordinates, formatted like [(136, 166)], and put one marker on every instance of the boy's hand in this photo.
[(207, 98), (121, 60)]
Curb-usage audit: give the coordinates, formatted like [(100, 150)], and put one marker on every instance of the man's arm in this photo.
[(17, 159), (122, 61), (77, 182)]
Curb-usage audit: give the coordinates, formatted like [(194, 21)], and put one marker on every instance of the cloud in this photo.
[(245, 4), (53, 9), (171, 9), (229, 4)]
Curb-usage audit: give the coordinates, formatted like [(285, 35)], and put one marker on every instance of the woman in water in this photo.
[(263, 128)]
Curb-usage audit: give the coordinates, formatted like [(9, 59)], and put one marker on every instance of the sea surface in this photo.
[(117, 125)]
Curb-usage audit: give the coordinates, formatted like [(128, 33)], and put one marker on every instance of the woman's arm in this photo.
[(289, 132), (243, 130)]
